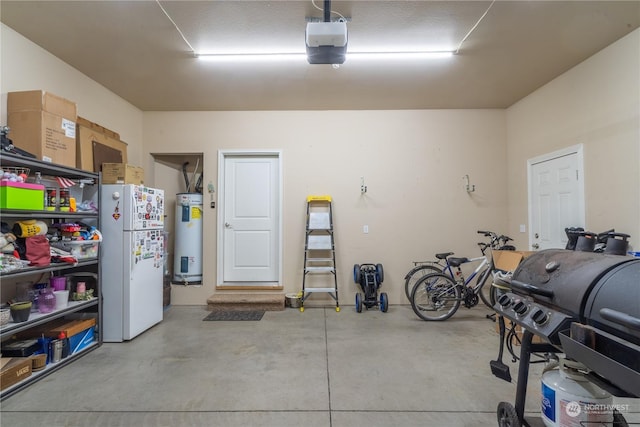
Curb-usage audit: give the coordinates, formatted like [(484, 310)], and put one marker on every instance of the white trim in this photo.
[(577, 149), (222, 154)]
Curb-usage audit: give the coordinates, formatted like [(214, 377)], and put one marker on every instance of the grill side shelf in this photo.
[(621, 380)]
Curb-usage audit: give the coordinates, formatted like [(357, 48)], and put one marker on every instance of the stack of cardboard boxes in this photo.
[(47, 126)]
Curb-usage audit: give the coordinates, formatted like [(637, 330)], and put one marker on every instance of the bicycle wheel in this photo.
[(415, 274), (435, 297), (482, 289)]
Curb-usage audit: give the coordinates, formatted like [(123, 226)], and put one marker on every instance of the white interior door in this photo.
[(250, 223), (556, 197)]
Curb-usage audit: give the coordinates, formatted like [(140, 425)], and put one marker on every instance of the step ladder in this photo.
[(319, 247)]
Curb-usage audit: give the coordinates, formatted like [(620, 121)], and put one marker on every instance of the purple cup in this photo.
[(58, 283)]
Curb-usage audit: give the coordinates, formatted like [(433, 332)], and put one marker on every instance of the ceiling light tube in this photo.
[(417, 55), (251, 57), (285, 56)]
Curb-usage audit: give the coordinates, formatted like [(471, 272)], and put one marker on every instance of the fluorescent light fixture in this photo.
[(252, 57), (294, 56), (399, 55)]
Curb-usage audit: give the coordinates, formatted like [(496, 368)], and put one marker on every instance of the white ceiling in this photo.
[(133, 49)]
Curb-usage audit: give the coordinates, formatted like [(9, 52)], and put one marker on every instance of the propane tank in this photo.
[(569, 399)]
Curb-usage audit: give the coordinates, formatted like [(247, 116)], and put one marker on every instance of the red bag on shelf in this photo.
[(37, 250)]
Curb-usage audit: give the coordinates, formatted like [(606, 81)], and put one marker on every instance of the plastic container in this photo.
[(81, 249), (51, 199), (46, 301), (62, 299), (58, 283)]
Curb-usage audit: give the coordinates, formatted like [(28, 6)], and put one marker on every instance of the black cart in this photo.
[(370, 277)]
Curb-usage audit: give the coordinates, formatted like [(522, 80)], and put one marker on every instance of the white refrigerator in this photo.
[(132, 222)]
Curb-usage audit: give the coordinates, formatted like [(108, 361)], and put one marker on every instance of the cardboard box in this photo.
[(13, 370), (96, 145), (81, 340), (49, 137), (44, 125), (52, 329), (97, 128), (72, 327), (120, 173), (21, 195), (39, 100), (509, 260)]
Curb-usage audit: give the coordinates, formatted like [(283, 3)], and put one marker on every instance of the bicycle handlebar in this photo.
[(496, 241)]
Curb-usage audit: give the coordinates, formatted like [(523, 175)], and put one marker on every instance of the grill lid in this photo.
[(562, 279), (614, 303)]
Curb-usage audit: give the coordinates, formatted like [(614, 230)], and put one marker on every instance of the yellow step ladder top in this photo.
[(323, 198)]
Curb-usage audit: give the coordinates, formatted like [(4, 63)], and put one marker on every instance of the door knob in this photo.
[(535, 246), (227, 225)]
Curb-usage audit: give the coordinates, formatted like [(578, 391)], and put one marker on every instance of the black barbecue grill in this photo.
[(584, 304)]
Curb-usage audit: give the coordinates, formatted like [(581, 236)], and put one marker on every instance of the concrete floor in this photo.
[(319, 368)]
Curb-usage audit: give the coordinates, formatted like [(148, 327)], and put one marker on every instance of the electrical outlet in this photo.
[(523, 228), (365, 229), (213, 205)]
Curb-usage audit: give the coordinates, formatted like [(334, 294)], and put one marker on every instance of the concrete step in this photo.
[(246, 301)]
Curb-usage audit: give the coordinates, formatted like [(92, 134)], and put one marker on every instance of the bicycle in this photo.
[(437, 296), (422, 268)]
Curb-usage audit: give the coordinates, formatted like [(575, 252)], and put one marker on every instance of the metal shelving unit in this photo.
[(92, 307)]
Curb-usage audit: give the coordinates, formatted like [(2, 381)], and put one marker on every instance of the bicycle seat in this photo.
[(443, 255), (455, 262)]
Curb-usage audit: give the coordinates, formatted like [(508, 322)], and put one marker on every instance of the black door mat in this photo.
[(234, 315)]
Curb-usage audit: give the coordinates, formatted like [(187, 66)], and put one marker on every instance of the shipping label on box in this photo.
[(120, 173)]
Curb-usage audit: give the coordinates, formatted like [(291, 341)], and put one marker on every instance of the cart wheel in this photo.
[(301, 309), (356, 273), (358, 302), (379, 273), (507, 416), (384, 302)]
